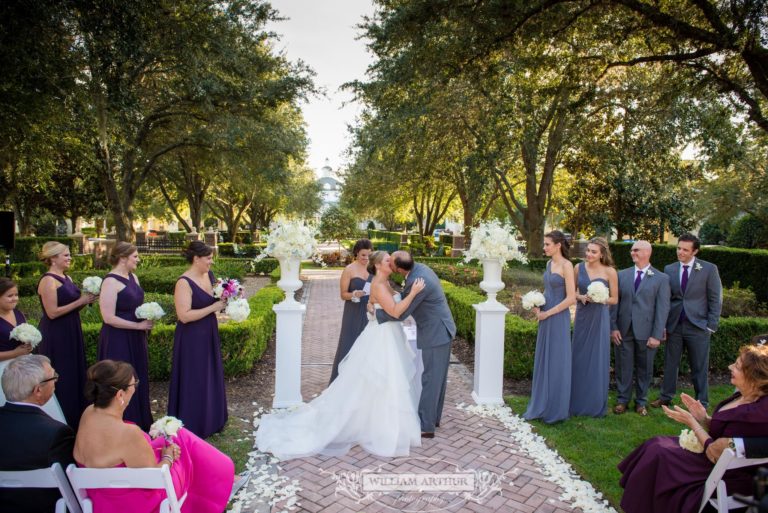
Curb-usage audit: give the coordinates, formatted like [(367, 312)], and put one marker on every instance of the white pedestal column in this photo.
[(288, 337), (489, 353)]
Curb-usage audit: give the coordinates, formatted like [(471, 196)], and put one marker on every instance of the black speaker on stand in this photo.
[(7, 237)]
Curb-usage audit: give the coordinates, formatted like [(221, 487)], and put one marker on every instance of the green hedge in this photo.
[(744, 266), (26, 249), (30, 306), (227, 249), (242, 344), (25, 269), (393, 237), (520, 335)]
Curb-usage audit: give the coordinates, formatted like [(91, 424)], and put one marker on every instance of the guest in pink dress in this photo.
[(104, 440)]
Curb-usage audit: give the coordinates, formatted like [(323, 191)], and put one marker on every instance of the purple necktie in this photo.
[(683, 286), (638, 279)]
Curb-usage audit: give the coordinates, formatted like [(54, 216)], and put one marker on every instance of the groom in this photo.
[(435, 331)]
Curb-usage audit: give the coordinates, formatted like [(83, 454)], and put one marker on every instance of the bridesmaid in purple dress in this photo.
[(660, 476), (197, 393), (123, 336), (62, 333)]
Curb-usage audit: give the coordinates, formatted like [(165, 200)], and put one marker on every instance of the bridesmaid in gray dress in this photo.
[(352, 285), (592, 332), (551, 391)]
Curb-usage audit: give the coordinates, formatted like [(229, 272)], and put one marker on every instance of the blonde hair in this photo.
[(50, 250), (605, 250), (375, 258), (120, 250)]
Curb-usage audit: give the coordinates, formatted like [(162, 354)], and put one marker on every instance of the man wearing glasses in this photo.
[(29, 438)]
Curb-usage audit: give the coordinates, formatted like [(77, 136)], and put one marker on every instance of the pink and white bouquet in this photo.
[(231, 291)]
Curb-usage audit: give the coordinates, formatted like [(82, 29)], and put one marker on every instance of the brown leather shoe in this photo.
[(427, 435), (658, 403), (620, 408), (642, 411)]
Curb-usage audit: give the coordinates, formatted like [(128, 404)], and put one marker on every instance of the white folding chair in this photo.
[(83, 479), (51, 477), (721, 501)]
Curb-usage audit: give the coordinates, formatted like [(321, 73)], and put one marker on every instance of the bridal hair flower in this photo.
[(598, 292), (150, 311), (494, 240), (26, 334), (92, 285), (532, 299), (690, 442), (166, 427)]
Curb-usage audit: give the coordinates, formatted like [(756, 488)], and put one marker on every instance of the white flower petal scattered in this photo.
[(26, 334)]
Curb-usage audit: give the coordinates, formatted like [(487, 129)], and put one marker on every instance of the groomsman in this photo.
[(697, 299), (637, 326)]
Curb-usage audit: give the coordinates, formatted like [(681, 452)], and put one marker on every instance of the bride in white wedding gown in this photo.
[(373, 402)]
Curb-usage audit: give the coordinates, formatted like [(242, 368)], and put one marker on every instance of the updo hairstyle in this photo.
[(105, 378), (50, 250), (197, 248), (754, 366), (121, 250), (375, 258)]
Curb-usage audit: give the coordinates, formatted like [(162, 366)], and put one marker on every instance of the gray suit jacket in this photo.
[(434, 322), (703, 298), (644, 311)]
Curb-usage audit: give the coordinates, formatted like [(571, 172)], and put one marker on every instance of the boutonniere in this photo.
[(697, 267), (649, 273)]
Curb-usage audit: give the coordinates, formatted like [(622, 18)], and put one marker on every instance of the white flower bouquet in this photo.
[(92, 285), (690, 442), (26, 334), (289, 239), (151, 311), (238, 309), (598, 292), (533, 299), (166, 427), (496, 241)]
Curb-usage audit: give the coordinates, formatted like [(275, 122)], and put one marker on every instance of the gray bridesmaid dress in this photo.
[(551, 392), (591, 354), (353, 322)]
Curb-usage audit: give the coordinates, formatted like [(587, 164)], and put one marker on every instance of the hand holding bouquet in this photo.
[(26, 334), (533, 299)]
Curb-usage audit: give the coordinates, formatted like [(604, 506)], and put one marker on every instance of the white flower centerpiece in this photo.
[(26, 334), (289, 242), (151, 311), (598, 292), (533, 299), (494, 244), (92, 285)]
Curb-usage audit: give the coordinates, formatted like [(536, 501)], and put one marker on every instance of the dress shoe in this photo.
[(427, 435), (620, 408), (642, 411), (437, 424), (658, 403)]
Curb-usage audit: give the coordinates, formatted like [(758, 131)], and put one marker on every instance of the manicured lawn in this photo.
[(595, 446), (235, 441)]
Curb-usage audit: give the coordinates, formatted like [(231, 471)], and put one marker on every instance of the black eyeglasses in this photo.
[(54, 379), (134, 384)]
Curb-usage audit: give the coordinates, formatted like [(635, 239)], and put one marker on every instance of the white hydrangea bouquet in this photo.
[(494, 240), (238, 309), (150, 311), (289, 239), (598, 292), (166, 427), (92, 285), (26, 334), (690, 442), (533, 299)]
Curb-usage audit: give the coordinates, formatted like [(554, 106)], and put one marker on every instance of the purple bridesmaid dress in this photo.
[(63, 344), (197, 394), (129, 346), (6, 344)]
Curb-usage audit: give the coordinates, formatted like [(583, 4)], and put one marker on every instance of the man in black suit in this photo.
[(29, 438), (754, 447)]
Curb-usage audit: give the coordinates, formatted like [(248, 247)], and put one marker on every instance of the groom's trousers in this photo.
[(433, 382)]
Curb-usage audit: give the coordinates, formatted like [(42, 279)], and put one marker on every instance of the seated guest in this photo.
[(104, 440), (30, 438), (660, 476)]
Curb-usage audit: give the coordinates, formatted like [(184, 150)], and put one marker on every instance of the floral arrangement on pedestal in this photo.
[(289, 239), (493, 240)]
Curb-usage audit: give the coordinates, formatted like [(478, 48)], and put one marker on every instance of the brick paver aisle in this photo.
[(463, 442)]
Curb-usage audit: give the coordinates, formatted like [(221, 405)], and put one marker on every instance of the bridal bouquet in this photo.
[(26, 334), (289, 239), (690, 442), (166, 427), (92, 285), (598, 292), (150, 311), (496, 241), (231, 291), (533, 299)]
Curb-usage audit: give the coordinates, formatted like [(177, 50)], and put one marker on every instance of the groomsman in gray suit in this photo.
[(637, 326), (697, 299), (435, 330)]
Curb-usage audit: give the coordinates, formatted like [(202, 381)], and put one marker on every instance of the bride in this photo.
[(374, 400)]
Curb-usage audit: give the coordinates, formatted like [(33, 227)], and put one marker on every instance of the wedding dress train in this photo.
[(372, 403)]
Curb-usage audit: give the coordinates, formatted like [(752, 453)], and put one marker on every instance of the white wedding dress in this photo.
[(372, 403)]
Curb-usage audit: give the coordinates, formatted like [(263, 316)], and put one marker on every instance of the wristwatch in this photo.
[(731, 444)]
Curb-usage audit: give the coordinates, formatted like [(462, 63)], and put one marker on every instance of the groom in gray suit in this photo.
[(435, 330), (697, 299), (637, 326)]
